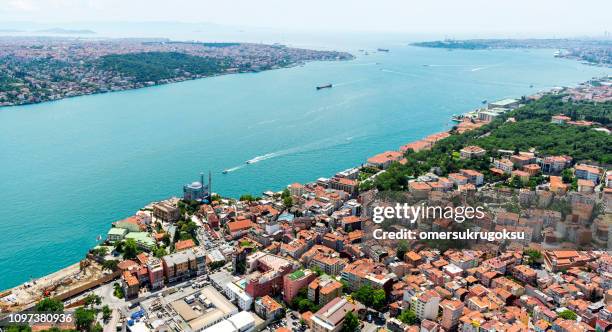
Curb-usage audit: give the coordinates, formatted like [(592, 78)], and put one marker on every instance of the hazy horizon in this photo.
[(437, 18)]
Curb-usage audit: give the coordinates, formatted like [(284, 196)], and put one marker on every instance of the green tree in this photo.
[(83, 318), (106, 313), (288, 202), (402, 249), (301, 302), (97, 328), (110, 264), (119, 246), (317, 270), (159, 252), (345, 287), (50, 304), (351, 323), (568, 314), (408, 317), (118, 291), (374, 298), (130, 249), (100, 251), (247, 197), (92, 300), (216, 265), (166, 239), (379, 299), (363, 294), (567, 175), (532, 256), (516, 182)]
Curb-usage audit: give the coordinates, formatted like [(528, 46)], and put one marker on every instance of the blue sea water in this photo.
[(69, 168)]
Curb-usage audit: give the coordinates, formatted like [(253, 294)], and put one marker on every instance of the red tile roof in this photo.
[(239, 225)]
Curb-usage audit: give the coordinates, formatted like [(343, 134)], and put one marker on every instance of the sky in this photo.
[(510, 18)]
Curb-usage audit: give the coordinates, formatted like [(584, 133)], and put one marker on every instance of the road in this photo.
[(112, 322)]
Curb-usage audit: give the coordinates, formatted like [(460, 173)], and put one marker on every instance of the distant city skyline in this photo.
[(469, 18)]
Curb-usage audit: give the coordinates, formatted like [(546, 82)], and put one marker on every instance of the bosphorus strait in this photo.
[(71, 167)]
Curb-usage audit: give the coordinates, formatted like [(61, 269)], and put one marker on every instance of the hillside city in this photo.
[(305, 259), (589, 51), (38, 69)]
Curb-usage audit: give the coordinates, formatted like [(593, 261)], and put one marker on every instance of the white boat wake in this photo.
[(321, 144), (229, 170), (399, 73), (349, 83), (263, 157)]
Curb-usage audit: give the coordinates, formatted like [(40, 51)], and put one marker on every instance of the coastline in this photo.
[(63, 270), (175, 80), (470, 107), (586, 52)]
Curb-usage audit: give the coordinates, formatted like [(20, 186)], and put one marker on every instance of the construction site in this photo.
[(63, 284)]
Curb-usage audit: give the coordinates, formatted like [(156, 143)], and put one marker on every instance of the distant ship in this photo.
[(383, 50), (327, 86)]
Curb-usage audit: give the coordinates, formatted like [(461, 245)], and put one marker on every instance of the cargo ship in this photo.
[(327, 86)]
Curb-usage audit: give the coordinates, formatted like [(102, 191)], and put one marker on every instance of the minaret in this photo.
[(209, 184)]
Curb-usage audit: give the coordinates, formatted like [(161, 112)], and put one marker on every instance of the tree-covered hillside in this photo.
[(156, 66), (533, 130)]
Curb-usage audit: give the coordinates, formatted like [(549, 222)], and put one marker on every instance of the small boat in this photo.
[(225, 171), (326, 86), (531, 85), (383, 50), (484, 101), (249, 162), (457, 118)]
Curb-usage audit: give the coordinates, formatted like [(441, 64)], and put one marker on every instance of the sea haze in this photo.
[(70, 168)]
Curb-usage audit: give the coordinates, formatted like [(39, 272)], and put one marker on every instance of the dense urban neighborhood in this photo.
[(39, 69), (306, 258), (590, 51)]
